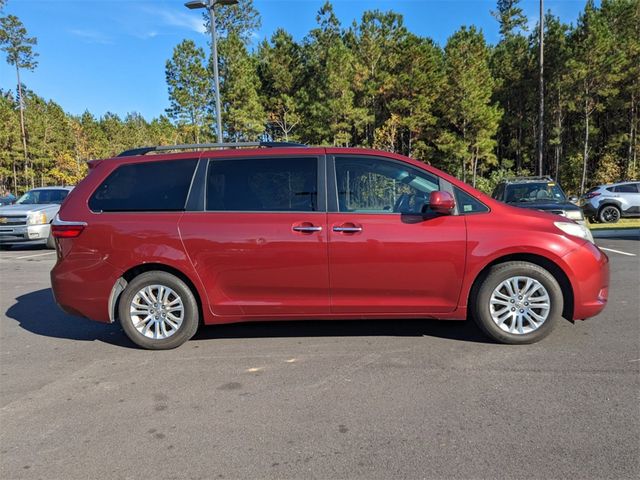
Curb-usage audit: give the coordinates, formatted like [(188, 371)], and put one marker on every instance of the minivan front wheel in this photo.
[(158, 311), (518, 303)]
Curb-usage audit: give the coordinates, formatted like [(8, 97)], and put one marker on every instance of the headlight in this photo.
[(575, 230), (37, 218), (574, 215)]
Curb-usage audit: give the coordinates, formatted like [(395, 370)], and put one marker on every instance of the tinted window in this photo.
[(372, 185), (267, 185), (467, 204), (145, 187), (628, 188), (534, 192)]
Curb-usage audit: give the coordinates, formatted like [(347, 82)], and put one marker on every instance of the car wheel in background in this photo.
[(158, 311), (517, 303), (609, 214)]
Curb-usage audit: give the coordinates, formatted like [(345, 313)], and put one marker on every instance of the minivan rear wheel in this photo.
[(158, 311), (517, 303)]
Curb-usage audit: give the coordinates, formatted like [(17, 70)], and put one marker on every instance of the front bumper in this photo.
[(589, 276), (24, 233)]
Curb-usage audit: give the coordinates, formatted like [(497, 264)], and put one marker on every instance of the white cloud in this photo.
[(189, 20), (92, 36)]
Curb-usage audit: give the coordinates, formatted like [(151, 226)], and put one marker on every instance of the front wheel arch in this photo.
[(550, 266)]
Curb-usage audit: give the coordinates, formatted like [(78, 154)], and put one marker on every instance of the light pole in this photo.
[(210, 5), (541, 93)]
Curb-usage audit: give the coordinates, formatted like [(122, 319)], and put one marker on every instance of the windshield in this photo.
[(534, 192), (35, 197)]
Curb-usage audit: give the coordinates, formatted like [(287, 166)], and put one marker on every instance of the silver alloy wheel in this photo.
[(157, 312), (520, 305)]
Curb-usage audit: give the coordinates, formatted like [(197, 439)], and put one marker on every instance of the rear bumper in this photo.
[(24, 233), (588, 210), (589, 276), (81, 285)]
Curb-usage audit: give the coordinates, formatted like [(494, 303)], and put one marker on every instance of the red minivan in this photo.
[(162, 242)]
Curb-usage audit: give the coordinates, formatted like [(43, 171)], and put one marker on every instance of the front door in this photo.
[(387, 256), (260, 245)]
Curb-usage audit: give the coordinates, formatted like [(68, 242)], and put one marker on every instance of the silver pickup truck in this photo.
[(29, 219)]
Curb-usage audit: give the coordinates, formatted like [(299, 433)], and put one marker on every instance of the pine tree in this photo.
[(281, 73), (593, 70), (511, 65), (328, 97), (558, 90), (243, 117), (190, 93), (18, 46), (470, 120)]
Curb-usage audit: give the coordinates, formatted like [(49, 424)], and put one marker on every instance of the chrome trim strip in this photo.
[(307, 229), (58, 222)]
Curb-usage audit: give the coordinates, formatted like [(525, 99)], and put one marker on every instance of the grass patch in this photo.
[(623, 223)]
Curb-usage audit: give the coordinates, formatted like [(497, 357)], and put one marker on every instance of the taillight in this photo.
[(591, 195), (66, 231)]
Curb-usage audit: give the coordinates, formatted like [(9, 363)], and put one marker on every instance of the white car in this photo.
[(29, 219), (610, 203)]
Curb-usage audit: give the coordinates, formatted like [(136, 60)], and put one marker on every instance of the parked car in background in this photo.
[(29, 219), (610, 203), (163, 242), (538, 193)]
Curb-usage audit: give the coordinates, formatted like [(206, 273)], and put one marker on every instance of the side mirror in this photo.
[(442, 202), (573, 199)]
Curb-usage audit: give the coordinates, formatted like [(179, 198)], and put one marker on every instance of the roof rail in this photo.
[(545, 178), (195, 146)]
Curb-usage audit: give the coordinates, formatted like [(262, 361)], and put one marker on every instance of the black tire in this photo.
[(480, 301), (190, 319), (609, 214)]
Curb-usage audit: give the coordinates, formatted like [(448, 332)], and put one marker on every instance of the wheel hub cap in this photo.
[(519, 305), (157, 312)]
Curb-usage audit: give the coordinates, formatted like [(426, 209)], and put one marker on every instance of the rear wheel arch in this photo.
[(133, 272), (549, 265), (609, 203)]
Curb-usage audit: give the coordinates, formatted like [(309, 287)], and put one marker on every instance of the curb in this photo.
[(632, 233)]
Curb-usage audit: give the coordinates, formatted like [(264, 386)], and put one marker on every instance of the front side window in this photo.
[(373, 185), (145, 187), (263, 185)]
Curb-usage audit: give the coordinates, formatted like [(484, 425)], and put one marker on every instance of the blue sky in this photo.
[(109, 55)]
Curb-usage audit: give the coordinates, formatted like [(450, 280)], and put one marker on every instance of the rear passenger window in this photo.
[(263, 185), (145, 187), (628, 188)]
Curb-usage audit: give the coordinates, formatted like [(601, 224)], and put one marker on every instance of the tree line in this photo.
[(468, 107)]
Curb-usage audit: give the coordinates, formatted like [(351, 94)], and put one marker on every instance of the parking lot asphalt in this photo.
[(365, 399)]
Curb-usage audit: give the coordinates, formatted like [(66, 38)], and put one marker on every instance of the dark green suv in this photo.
[(538, 193)]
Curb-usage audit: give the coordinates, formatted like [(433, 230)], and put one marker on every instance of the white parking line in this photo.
[(36, 255), (618, 251)]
